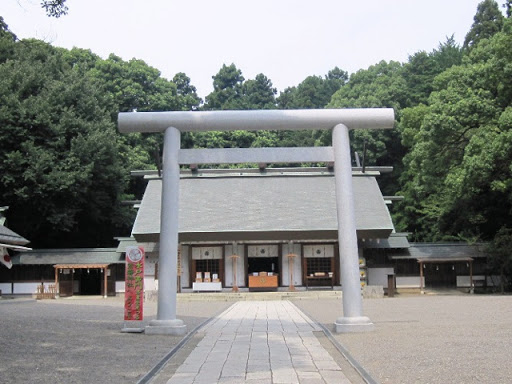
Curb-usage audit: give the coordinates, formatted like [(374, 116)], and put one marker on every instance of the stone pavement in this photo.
[(260, 342)]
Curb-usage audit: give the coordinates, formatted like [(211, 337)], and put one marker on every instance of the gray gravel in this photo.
[(429, 339), (418, 339), (79, 340)]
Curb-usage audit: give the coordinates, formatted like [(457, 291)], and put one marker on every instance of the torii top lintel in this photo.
[(254, 120)]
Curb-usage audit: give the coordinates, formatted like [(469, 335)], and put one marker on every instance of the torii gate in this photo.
[(339, 120)]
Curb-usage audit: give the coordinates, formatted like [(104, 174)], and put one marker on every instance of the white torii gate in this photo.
[(339, 120)]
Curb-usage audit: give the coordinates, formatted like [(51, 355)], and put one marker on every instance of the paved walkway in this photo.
[(260, 342)]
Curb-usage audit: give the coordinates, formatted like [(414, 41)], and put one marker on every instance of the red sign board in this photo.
[(134, 284)]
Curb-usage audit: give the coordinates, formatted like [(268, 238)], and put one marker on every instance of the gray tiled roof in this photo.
[(131, 242), (10, 237), (396, 240), (443, 251), (69, 256), (263, 208)]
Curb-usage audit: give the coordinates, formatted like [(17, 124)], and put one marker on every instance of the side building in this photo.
[(76, 271)]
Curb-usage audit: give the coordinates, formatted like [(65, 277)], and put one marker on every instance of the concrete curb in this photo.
[(344, 352)]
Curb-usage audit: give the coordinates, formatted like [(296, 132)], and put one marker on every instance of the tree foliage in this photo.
[(60, 169), (313, 91), (457, 178), (381, 85), (422, 68), (487, 22), (64, 168), (7, 41), (227, 89), (500, 260), (55, 8)]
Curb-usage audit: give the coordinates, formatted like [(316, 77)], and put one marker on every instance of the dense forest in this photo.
[(65, 170)]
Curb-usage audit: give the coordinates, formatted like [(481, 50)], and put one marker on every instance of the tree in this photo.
[(187, 93), (227, 89), (259, 93), (60, 170), (500, 259), (419, 74), (133, 85), (232, 91), (313, 91), (421, 69), (286, 99), (458, 174), (508, 7), (487, 22), (448, 54), (381, 85), (336, 78), (55, 8), (65, 169), (7, 41)]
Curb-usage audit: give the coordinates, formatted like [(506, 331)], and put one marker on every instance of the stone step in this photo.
[(260, 296)]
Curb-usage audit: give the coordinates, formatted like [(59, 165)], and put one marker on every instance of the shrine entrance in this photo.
[(263, 263)]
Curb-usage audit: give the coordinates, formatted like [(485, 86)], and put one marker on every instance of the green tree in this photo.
[(83, 60), (448, 54), (227, 89), (186, 92), (231, 91), (259, 93), (487, 22), (60, 168), (500, 260), (135, 86), (508, 7), (7, 41), (381, 85), (421, 69), (313, 91), (458, 175)]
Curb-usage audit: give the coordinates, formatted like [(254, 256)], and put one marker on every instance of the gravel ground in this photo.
[(429, 339), (418, 339), (79, 340)]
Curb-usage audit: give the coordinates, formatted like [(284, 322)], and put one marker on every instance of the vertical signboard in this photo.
[(134, 284)]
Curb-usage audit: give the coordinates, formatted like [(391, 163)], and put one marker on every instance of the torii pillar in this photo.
[(339, 120), (352, 320), (166, 321)]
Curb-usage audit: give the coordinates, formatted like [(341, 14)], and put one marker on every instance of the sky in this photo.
[(286, 40)]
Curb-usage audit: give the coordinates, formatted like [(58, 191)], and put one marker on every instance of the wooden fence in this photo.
[(46, 292)]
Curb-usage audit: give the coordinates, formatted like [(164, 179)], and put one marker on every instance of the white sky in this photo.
[(286, 40)]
